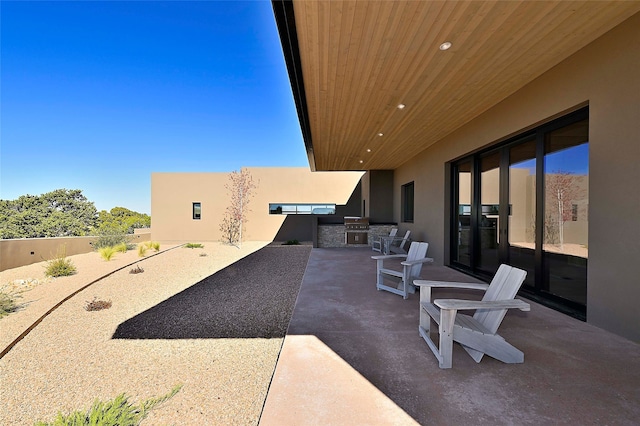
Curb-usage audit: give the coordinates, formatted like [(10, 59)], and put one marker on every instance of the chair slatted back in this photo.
[(393, 232), (405, 239), (504, 286), (417, 251)]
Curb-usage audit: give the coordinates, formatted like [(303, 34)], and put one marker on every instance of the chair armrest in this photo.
[(473, 286), (458, 304), (389, 256), (415, 262)]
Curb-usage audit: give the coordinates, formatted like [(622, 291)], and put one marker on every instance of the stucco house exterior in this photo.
[(499, 132), (286, 202)]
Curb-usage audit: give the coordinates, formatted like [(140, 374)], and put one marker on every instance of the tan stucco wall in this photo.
[(172, 195), (606, 76), (25, 251)]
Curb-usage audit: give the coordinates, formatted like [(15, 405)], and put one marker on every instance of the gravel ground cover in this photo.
[(213, 323), (40, 293)]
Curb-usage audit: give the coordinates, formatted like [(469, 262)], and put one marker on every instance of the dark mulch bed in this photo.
[(253, 298)]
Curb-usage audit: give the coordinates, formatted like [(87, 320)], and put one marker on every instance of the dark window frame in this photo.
[(318, 209), (198, 215), (407, 202), (537, 291)]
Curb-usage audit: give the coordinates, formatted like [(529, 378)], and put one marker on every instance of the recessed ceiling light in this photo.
[(380, 134), (401, 106), (445, 46), (368, 150), (361, 161)]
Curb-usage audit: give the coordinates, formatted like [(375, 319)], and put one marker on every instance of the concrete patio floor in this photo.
[(352, 355)]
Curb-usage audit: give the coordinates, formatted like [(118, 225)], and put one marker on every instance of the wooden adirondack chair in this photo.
[(395, 245), (476, 334), (378, 243), (411, 268)]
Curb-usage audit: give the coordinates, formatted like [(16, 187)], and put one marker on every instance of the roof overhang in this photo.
[(352, 63)]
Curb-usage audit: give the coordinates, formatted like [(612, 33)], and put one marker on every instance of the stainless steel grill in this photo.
[(356, 230)]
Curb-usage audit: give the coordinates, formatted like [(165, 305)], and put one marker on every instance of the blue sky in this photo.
[(574, 159), (98, 95)]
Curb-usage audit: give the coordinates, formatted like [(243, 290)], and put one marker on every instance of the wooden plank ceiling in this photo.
[(361, 59)]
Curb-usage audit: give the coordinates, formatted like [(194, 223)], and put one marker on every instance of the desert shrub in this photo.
[(59, 265), (142, 250), (111, 237), (136, 270), (153, 245), (97, 305), (291, 243), (107, 253), (117, 412), (8, 302), (230, 229), (122, 247), (193, 245)]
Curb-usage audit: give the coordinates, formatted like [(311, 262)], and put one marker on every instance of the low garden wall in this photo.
[(25, 251)]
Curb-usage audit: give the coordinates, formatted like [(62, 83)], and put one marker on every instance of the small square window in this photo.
[(197, 211), (407, 202), (574, 212)]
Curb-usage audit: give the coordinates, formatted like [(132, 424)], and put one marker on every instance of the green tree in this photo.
[(122, 220), (59, 213)]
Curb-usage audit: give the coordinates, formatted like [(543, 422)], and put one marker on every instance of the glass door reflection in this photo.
[(566, 198), (522, 208), (488, 220), (462, 211)]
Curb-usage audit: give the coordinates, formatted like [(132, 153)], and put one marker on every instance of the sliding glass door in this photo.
[(525, 203), (488, 229), (566, 180), (462, 214), (522, 204)]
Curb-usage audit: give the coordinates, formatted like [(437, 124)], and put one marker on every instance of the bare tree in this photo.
[(240, 187), (562, 189)]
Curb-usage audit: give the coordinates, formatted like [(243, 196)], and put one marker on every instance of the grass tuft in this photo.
[(154, 245), (107, 253), (59, 265), (117, 412), (9, 302), (193, 245), (142, 250), (122, 248)]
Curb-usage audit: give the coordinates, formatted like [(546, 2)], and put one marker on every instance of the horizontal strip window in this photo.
[(324, 209), (487, 209)]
